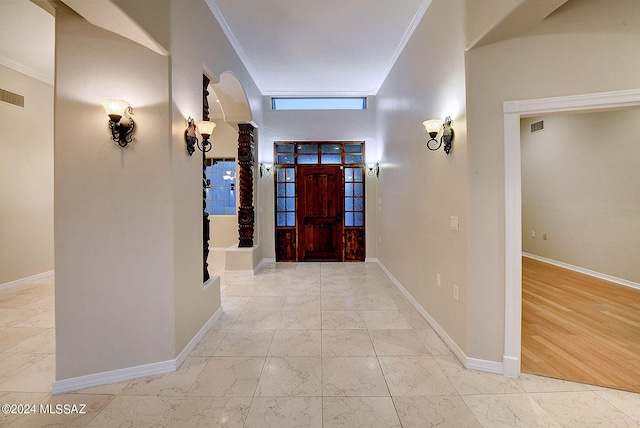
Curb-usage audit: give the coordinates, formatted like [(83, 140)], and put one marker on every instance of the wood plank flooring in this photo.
[(579, 328)]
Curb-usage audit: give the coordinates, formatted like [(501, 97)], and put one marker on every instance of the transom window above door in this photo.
[(319, 153)]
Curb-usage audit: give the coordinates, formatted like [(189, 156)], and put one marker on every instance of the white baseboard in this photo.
[(578, 269), (130, 373), (26, 280), (250, 272), (371, 260), (182, 356), (469, 363), (113, 376)]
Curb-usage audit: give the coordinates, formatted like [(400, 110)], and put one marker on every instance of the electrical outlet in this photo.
[(455, 292), (454, 223), (438, 280), (533, 233), (380, 239)]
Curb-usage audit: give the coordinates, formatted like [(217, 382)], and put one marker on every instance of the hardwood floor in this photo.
[(579, 328)]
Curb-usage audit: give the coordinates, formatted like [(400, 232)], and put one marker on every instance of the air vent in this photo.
[(11, 98), (538, 126)]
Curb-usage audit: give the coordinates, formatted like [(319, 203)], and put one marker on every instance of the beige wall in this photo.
[(580, 179), (113, 212), (198, 45), (419, 189), (586, 46), (26, 174)]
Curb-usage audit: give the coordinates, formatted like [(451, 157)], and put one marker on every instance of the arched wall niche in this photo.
[(232, 98)]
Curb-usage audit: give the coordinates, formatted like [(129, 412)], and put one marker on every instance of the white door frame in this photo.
[(513, 111)]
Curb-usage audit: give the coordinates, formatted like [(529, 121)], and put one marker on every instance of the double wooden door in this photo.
[(319, 213)]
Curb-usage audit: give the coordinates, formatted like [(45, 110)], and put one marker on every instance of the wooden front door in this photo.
[(320, 213)]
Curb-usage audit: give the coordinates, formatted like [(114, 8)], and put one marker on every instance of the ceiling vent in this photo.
[(11, 98), (538, 126)]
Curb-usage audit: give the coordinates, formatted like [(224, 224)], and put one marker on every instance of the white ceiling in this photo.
[(290, 47), (312, 47), (27, 39)]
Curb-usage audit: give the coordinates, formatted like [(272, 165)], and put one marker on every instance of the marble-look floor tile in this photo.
[(475, 382), (227, 319), (245, 343), (534, 383), (11, 364), (15, 317), (44, 343), (397, 342), (257, 320), (296, 343), (291, 376), (352, 376), (381, 320), (627, 402), (582, 409), (228, 376), (435, 344), (302, 303), (43, 319), (346, 343), (173, 384), (434, 411), (377, 302), (510, 410), (285, 412), (242, 290), (340, 303), (359, 412), (135, 411), (209, 343), (350, 320), (213, 412), (266, 303), (12, 336), (300, 320), (36, 377), (415, 375)]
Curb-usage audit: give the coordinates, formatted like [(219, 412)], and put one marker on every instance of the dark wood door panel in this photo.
[(320, 213)]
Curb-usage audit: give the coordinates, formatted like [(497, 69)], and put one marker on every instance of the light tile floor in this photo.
[(299, 345)]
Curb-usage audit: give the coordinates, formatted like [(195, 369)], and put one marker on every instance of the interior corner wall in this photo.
[(580, 193), (586, 46), (420, 190), (198, 45), (113, 220), (26, 174)]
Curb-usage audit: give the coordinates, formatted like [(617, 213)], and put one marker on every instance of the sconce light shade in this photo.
[(373, 169), (114, 108), (205, 127), (433, 126), (191, 138), (265, 169), (120, 130)]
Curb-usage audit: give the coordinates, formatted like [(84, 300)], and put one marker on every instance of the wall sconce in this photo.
[(121, 130), (373, 169), (433, 127), (191, 138), (265, 169)]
